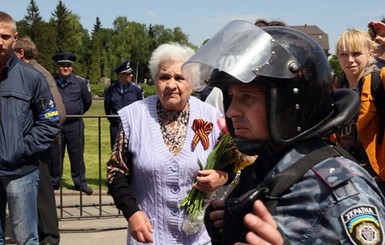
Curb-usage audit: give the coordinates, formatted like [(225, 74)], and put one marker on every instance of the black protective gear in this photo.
[(293, 68)]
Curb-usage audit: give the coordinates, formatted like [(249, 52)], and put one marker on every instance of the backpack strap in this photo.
[(378, 93), (291, 175)]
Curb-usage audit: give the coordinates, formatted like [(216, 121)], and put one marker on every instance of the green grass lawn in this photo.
[(94, 159)]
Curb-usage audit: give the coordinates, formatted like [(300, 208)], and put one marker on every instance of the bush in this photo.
[(98, 89), (148, 89)]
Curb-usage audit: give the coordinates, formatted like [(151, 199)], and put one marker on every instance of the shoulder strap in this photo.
[(287, 178), (378, 93)]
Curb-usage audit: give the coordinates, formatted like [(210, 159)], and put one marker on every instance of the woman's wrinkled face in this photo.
[(172, 88)]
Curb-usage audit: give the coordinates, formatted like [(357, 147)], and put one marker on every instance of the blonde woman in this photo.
[(354, 50)]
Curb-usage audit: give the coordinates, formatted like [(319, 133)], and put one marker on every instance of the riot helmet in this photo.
[(293, 68)]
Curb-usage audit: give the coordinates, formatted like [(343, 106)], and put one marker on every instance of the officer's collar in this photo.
[(68, 79), (123, 85)]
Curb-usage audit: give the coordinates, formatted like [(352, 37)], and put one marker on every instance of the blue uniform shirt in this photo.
[(76, 95), (336, 202), (115, 98)]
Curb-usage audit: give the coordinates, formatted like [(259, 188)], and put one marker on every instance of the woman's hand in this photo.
[(209, 180), (140, 227), (263, 228)]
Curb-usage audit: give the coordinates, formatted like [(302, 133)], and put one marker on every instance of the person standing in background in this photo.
[(48, 226), (29, 123), (376, 30), (363, 138), (119, 94), (77, 99)]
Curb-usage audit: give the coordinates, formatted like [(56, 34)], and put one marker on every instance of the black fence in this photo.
[(75, 205)]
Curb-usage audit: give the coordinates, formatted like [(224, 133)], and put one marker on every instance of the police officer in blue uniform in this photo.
[(120, 94), (77, 99), (279, 103)]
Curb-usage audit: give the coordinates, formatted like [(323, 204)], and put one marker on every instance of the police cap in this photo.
[(124, 67), (64, 58)]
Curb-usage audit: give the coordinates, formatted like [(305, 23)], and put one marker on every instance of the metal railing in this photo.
[(73, 205)]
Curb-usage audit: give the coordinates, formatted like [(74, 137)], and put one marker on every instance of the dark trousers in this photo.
[(72, 137), (48, 226)]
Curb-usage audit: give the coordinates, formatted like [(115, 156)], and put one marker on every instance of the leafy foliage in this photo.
[(335, 65), (100, 51)]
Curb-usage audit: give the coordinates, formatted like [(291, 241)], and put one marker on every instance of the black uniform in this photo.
[(117, 96), (77, 99)]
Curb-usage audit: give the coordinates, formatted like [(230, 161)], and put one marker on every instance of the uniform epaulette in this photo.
[(136, 85), (77, 76), (332, 172)]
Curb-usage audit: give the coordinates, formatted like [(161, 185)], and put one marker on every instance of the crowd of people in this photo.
[(318, 141)]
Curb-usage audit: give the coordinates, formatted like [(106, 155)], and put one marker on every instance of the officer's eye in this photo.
[(5, 36)]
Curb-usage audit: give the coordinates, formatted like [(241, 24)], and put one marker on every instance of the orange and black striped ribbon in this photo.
[(202, 129)]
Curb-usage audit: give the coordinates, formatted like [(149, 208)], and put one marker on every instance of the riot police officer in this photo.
[(119, 94), (77, 99), (279, 103)]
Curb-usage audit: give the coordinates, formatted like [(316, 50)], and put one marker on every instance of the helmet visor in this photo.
[(243, 51)]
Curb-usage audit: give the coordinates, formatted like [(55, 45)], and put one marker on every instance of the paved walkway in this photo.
[(98, 225), (94, 224)]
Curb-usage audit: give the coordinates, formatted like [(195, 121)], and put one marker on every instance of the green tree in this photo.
[(95, 59), (33, 20), (102, 50), (335, 65), (97, 25), (46, 46), (61, 19), (72, 37), (180, 36)]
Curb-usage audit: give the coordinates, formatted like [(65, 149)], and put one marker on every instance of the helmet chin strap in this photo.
[(256, 147), (250, 147)]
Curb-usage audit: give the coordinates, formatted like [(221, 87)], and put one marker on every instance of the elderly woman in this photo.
[(155, 159)]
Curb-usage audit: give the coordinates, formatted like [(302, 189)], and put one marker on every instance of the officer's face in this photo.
[(64, 69), (8, 38), (247, 111), (125, 77), (173, 90)]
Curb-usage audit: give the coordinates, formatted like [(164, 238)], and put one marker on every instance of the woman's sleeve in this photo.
[(119, 176)]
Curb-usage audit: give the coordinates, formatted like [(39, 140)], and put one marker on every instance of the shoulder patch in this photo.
[(48, 111), (362, 225), (332, 172)]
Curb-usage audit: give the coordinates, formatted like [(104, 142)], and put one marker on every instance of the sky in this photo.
[(202, 19)]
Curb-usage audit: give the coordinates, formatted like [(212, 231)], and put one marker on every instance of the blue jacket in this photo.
[(29, 120)]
